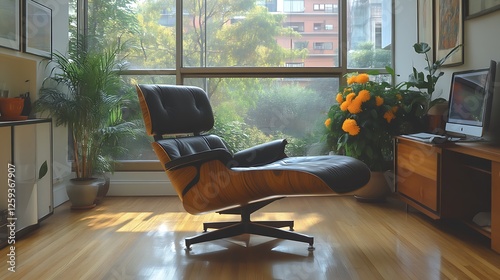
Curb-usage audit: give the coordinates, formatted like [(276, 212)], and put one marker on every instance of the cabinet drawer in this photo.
[(417, 170)]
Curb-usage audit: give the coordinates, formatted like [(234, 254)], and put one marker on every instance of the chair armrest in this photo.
[(261, 154), (199, 158)]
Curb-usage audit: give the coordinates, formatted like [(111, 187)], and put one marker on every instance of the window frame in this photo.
[(181, 73)]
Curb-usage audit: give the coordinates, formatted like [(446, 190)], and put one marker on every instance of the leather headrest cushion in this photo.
[(176, 109)]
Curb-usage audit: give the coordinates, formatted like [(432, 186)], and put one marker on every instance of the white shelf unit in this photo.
[(26, 145)]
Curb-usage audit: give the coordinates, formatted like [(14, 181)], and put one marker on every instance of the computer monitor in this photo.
[(468, 103)]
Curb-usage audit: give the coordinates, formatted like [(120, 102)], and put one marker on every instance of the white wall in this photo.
[(61, 166), (481, 44)]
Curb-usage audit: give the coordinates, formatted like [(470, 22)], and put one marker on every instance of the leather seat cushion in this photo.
[(341, 173)]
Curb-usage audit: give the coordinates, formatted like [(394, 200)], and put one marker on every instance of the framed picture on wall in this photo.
[(448, 30), (424, 23), (9, 24), (476, 8), (37, 29)]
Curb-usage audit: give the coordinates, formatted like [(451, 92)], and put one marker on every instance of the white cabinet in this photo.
[(26, 146), (45, 201)]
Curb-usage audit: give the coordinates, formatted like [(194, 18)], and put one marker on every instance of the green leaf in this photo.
[(442, 60), (369, 151), (390, 71), (421, 47), (43, 170), (342, 140)]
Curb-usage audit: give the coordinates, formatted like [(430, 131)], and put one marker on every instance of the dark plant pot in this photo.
[(82, 192), (436, 117), (103, 189)]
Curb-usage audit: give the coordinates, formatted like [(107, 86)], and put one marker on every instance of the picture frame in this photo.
[(37, 29), (10, 24), (477, 8), (449, 31), (425, 19)]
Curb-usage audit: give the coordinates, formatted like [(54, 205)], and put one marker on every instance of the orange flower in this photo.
[(389, 116), (351, 126), (339, 98), (344, 105), (355, 106), (379, 101), (328, 122), (351, 80), (363, 95), (394, 109), (348, 101), (350, 97), (362, 78)]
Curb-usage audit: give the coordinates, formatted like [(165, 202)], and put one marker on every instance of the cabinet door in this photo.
[(5, 159), (44, 154), (25, 162), (417, 169)]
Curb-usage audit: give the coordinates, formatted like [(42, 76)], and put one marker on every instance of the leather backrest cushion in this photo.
[(177, 109), (179, 147)]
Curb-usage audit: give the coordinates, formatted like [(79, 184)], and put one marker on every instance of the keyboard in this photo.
[(439, 139), (427, 137)]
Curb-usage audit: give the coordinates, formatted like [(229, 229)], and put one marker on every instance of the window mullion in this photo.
[(343, 38), (179, 39)]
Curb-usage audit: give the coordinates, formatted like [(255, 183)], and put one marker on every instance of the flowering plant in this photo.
[(364, 119)]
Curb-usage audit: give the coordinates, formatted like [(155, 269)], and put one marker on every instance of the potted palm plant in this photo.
[(83, 93)]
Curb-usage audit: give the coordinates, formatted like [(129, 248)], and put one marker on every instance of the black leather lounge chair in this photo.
[(208, 178)]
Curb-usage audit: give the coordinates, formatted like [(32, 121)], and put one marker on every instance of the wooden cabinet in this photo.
[(25, 147), (453, 181), (417, 175)]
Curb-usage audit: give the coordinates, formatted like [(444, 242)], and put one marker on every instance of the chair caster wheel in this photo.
[(310, 248), (188, 246)]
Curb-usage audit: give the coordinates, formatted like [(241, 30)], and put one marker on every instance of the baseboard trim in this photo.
[(140, 183), (59, 192), (153, 183)]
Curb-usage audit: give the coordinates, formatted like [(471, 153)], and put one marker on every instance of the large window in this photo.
[(253, 58)]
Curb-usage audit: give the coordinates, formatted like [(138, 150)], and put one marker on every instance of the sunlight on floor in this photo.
[(164, 222)]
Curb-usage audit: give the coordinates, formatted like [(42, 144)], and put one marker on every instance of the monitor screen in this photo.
[(467, 102)]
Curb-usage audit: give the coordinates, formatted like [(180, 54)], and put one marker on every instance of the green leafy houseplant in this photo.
[(426, 81), (84, 94), (364, 119)]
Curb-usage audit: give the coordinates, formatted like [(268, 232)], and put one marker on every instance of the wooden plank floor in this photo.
[(143, 238)]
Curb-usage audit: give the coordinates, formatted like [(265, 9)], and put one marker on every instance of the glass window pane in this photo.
[(146, 27), (259, 34), (262, 33), (139, 148), (250, 111), (369, 41)]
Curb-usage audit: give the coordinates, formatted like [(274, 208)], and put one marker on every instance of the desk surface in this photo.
[(478, 149)]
